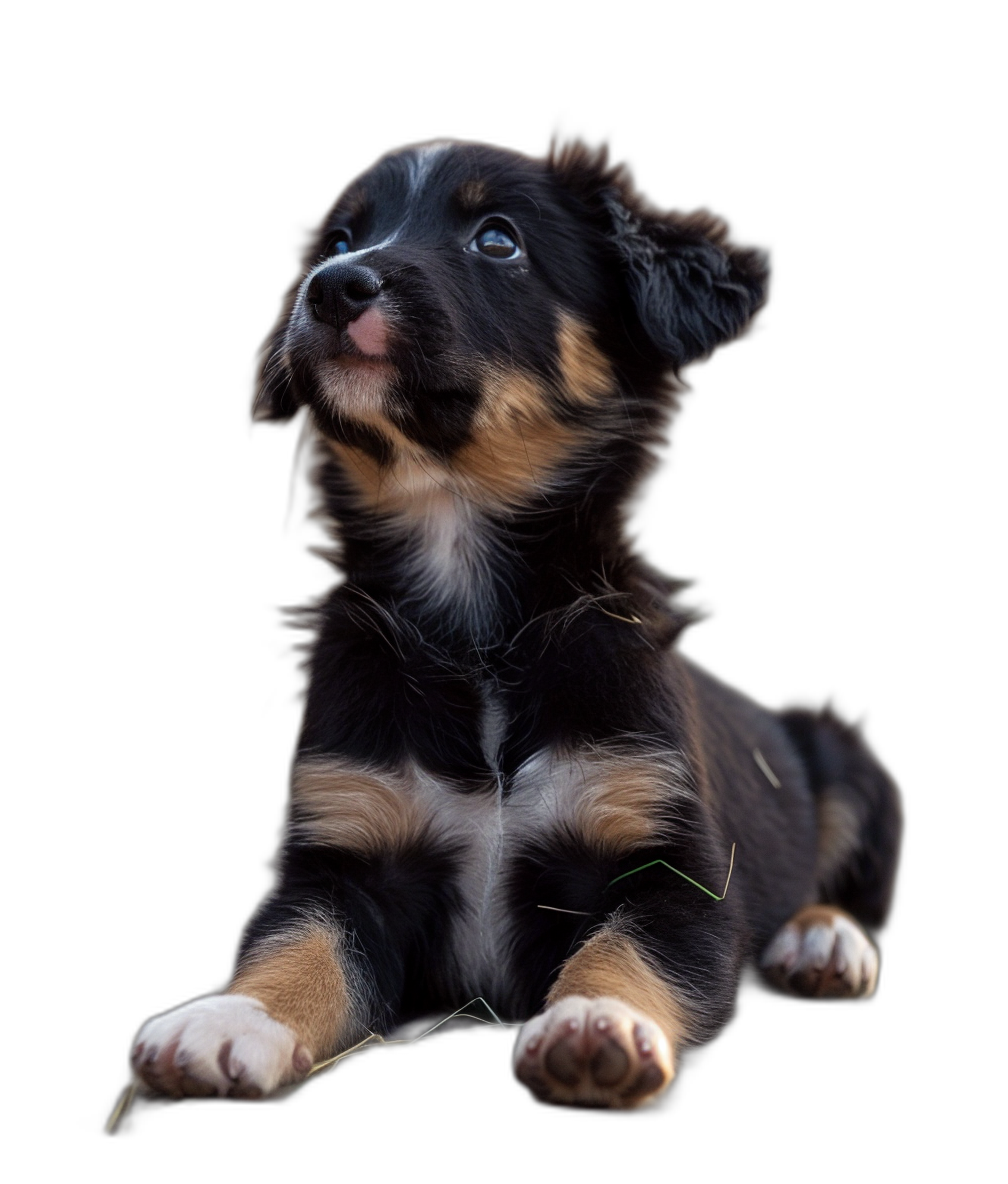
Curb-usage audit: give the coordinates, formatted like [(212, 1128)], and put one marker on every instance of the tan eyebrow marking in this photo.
[(470, 195)]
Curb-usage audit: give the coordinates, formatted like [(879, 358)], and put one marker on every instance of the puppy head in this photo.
[(504, 320)]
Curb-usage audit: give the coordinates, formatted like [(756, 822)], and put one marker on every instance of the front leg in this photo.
[(288, 1005), (337, 951), (657, 972), (632, 961), (304, 987), (610, 1033)]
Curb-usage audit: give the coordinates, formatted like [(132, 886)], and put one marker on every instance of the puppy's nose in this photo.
[(340, 292)]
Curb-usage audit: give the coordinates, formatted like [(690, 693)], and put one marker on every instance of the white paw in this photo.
[(221, 1044), (593, 1052), (822, 952)]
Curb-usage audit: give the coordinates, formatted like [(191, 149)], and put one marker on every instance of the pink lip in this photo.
[(369, 333)]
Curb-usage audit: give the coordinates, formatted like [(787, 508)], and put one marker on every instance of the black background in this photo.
[(797, 497)]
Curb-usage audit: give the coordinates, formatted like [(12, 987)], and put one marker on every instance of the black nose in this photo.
[(340, 292)]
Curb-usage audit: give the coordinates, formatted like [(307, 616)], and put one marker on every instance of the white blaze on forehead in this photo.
[(420, 162), (358, 252), (354, 253)]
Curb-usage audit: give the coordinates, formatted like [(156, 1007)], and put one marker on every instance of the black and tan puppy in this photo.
[(498, 726)]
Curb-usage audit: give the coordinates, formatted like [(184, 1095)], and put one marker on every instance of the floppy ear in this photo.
[(691, 288), (276, 395)]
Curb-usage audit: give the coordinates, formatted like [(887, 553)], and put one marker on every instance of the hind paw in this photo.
[(593, 1052), (822, 953)]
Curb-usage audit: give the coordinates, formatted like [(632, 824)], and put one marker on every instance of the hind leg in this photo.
[(822, 952)]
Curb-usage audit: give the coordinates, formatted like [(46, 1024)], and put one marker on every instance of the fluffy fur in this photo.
[(498, 725)]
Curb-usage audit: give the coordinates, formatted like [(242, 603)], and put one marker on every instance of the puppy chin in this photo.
[(356, 387)]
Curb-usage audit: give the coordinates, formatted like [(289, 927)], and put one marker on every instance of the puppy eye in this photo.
[(338, 243), (497, 242)]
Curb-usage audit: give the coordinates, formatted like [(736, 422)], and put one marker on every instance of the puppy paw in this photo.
[(226, 1045), (593, 1052), (823, 953)]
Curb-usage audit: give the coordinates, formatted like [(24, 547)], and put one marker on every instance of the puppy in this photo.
[(508, 782)]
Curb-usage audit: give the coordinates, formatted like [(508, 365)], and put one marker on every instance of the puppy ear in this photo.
[(690, 287), (276, 395)]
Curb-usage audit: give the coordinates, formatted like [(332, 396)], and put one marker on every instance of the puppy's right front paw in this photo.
[(221, 1044)]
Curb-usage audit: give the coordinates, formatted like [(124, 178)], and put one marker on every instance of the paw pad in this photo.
[(593, 1052)]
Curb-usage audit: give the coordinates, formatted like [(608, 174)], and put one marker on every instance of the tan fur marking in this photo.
[(516, 449), (498, 470), (586, 371), (470, 195), (363, 470), (407, 488), (301, 984), (510, 396), (354, 809), (819, 914), (518, 445), (839, 827), (609, 964), (510, 464), (618, 809)]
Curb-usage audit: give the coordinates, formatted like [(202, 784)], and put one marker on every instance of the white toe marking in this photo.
[(811, 945), (783, 949), (262, 1049), (818, 945)]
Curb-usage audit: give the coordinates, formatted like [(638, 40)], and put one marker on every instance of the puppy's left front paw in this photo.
[(593, 1052)]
